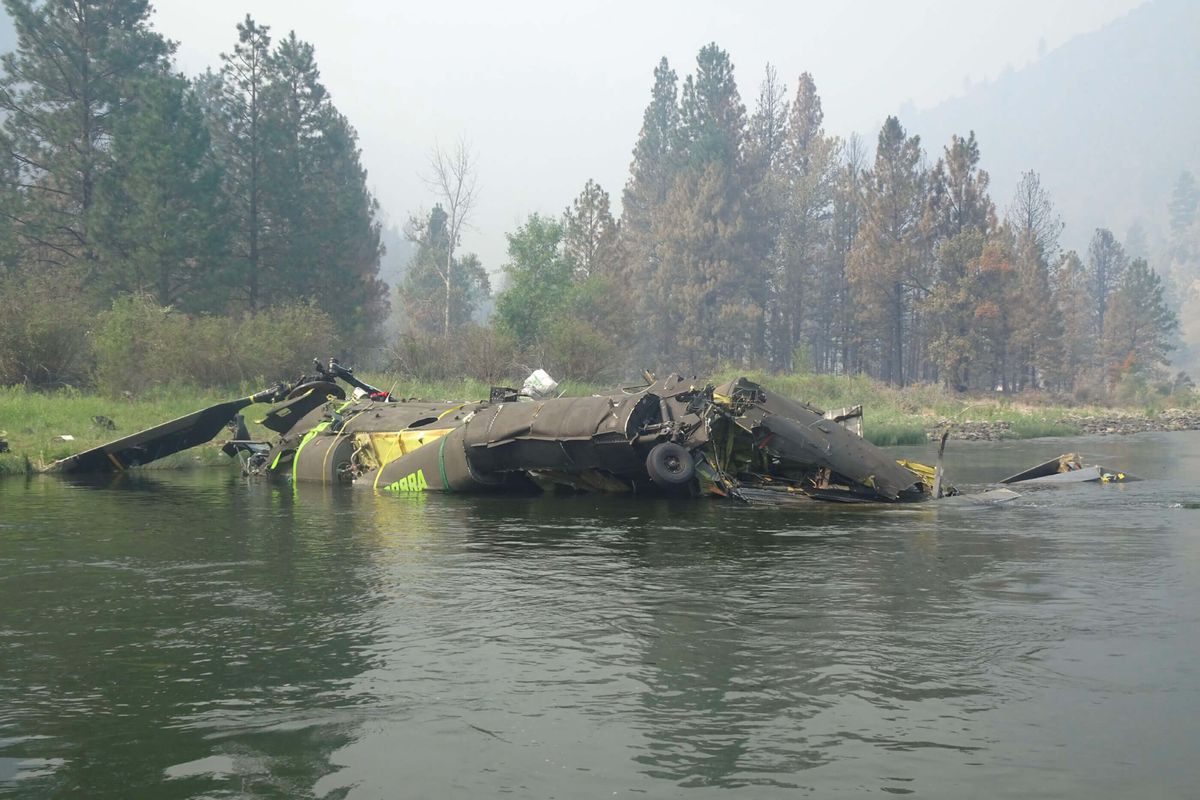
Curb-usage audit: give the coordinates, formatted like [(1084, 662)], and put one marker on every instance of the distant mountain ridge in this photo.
[(1109, 119)]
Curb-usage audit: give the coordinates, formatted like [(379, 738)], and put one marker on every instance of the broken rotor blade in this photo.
[(160, 441)]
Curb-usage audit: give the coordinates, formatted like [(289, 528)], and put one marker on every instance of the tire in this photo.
[(670, 465)]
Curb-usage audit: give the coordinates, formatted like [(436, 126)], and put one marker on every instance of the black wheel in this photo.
[(670, 465)]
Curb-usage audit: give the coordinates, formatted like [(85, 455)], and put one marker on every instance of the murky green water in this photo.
[(192, 635)]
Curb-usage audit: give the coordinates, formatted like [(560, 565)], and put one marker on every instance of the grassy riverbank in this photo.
[(31, 421), (894, 416)]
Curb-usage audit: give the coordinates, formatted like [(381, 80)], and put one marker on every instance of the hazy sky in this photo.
[(551, 94)]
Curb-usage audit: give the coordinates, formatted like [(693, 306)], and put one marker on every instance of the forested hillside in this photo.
[(1111, 123), (1109, 120), (141, 209), (750, 236)]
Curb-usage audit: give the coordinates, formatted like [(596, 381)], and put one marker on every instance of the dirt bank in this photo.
[(1112, 423)]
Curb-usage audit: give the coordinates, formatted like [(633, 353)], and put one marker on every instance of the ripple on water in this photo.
[(199, 636)]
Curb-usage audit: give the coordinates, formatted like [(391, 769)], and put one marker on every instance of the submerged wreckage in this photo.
[(672, 435)]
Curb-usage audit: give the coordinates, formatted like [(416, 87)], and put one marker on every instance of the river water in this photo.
[(175, 635)]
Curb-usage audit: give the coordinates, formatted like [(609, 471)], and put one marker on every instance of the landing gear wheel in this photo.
[(670, 465)]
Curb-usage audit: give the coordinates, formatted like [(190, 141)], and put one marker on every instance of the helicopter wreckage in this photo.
[(672, 435)]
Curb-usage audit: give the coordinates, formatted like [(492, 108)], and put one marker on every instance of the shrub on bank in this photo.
[(139, 344), (569, 350), (578, 350), (474, 352), (43, 338), (1156, 392)]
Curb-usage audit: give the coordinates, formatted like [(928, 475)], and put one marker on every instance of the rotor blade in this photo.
[(160, 441)]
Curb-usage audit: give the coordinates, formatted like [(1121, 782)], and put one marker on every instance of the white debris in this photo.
[(539, 384)]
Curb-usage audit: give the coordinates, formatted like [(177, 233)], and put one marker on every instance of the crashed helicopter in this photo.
[(672, 435)]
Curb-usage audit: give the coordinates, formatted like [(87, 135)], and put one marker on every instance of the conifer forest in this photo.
[(745, 235)]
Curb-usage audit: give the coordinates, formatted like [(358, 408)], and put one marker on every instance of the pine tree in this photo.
[(1038, 328), (885, 267), (712, 299), (993, 286), (341, 215), (1185, 203), (1139, 325), (650, 174), (1032, 216), (710, 249), (766, 182), (955, 346), (650, 177), (712, 126), (157, 213), (805, 300), (701, 293), (295, 112), (1077, 307), (845, 221), (241, 142), (303, 223), (326, 238), (590, 234), (766, 139), (1106, 267), (595, 316), (62, 90), (959, 221), (958, 200)]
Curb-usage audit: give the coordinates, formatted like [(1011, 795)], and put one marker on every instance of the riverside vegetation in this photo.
[(164, 231)]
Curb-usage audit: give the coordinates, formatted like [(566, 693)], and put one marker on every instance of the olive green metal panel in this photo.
[(322, 458), (437, 466)]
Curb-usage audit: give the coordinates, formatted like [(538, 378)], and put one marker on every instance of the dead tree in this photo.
[(452, 176)]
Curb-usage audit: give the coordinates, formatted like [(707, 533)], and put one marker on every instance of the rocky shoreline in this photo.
[(1109, 424)]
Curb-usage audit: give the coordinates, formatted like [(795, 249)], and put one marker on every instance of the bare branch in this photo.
[(453, 178)]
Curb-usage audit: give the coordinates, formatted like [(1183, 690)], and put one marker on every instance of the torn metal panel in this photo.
[(850, 418), (1064, 463), (1069, 468), (818, 442), (302, 401)]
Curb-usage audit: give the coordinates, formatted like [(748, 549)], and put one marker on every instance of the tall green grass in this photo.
[(33, 419), (886, 434)]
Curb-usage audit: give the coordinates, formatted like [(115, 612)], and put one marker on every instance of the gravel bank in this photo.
[(1108, 424)]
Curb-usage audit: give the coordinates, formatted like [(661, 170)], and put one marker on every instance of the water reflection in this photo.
[(162, 621), (197, 635)]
